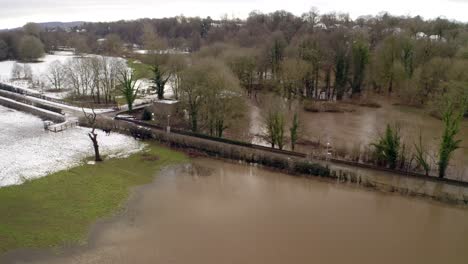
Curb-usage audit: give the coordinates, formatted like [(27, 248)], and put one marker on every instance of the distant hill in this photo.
[(56, 24), (63, 25)]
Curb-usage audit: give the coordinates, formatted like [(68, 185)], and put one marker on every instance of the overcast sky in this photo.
[(15, 13)]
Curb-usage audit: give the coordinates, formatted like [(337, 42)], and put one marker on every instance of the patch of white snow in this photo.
[(29, 152)]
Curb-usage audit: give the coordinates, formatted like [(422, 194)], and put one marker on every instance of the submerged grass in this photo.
[(59, 208)]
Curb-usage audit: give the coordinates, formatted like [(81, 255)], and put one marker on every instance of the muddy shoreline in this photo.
[(162, 221), (125, 215)]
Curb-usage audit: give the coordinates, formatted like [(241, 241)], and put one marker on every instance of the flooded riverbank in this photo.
[(218, 212), (352, 132)]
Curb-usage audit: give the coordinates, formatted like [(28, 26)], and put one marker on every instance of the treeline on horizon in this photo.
[(326, 56)]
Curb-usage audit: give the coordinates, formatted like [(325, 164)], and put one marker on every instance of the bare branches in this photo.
[(56, 74), (91, 119)]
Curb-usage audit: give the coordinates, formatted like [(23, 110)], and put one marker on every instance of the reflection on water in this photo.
[(359, 128), (243, 214)]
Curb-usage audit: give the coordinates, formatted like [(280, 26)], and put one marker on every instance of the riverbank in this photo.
[(350, 133), (445, 190), (59, 209), (212, 211)]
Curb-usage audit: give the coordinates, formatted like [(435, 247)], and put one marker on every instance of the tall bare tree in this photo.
[(56, 74), (212, 96), (91, 120), (17, 72)]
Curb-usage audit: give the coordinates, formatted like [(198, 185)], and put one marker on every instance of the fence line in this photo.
[(62, 126), (11, 88)]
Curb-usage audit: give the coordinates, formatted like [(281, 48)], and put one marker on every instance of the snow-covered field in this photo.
[(39, 71), (40, 81), (166, 51), (39, 68), (145, 88), (28, 152)]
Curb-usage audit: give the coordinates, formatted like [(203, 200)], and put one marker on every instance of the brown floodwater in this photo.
[(356, 130), (218, 212)]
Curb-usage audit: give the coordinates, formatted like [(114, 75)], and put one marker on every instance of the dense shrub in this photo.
[(273, 162), (147, 115), (311, 169), (387, 148), (140, 133)]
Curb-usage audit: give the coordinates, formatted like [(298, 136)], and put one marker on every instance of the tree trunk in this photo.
[(93, 137), (390, 85), (327, 83), (194, 121), (160, 92), (316, 84), (98, 91)]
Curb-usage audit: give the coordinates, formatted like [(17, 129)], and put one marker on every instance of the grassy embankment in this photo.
[(61, 207), (140, 70)]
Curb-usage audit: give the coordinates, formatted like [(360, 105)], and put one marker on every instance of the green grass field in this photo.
[(61, 207), (140, 70)]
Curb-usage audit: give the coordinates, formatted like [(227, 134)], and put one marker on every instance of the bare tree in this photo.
[(177, 64), (111, 67), (150, 39), (72, 75), (56, 74), (91, 120), (294, 131), (274, 124), (212, 95), (27, 70), (80, 44), (95, 65), (4, 50), (17, 71), (95, 76)]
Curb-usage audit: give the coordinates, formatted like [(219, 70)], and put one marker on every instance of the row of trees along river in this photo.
[(314, 62)]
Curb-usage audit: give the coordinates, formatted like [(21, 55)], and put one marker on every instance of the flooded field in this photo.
[(218, 212), (356, 130)]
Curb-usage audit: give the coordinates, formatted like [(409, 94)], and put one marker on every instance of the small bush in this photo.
[(312, 169), (451, 118), (274, 162), (387, 148), (140, 133), (147, 115)]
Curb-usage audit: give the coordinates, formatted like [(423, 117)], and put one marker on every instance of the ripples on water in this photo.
[(358, 129), (244, 214)]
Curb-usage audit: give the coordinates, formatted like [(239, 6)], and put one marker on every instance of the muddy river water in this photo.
[(356, 130), (218, 212)]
